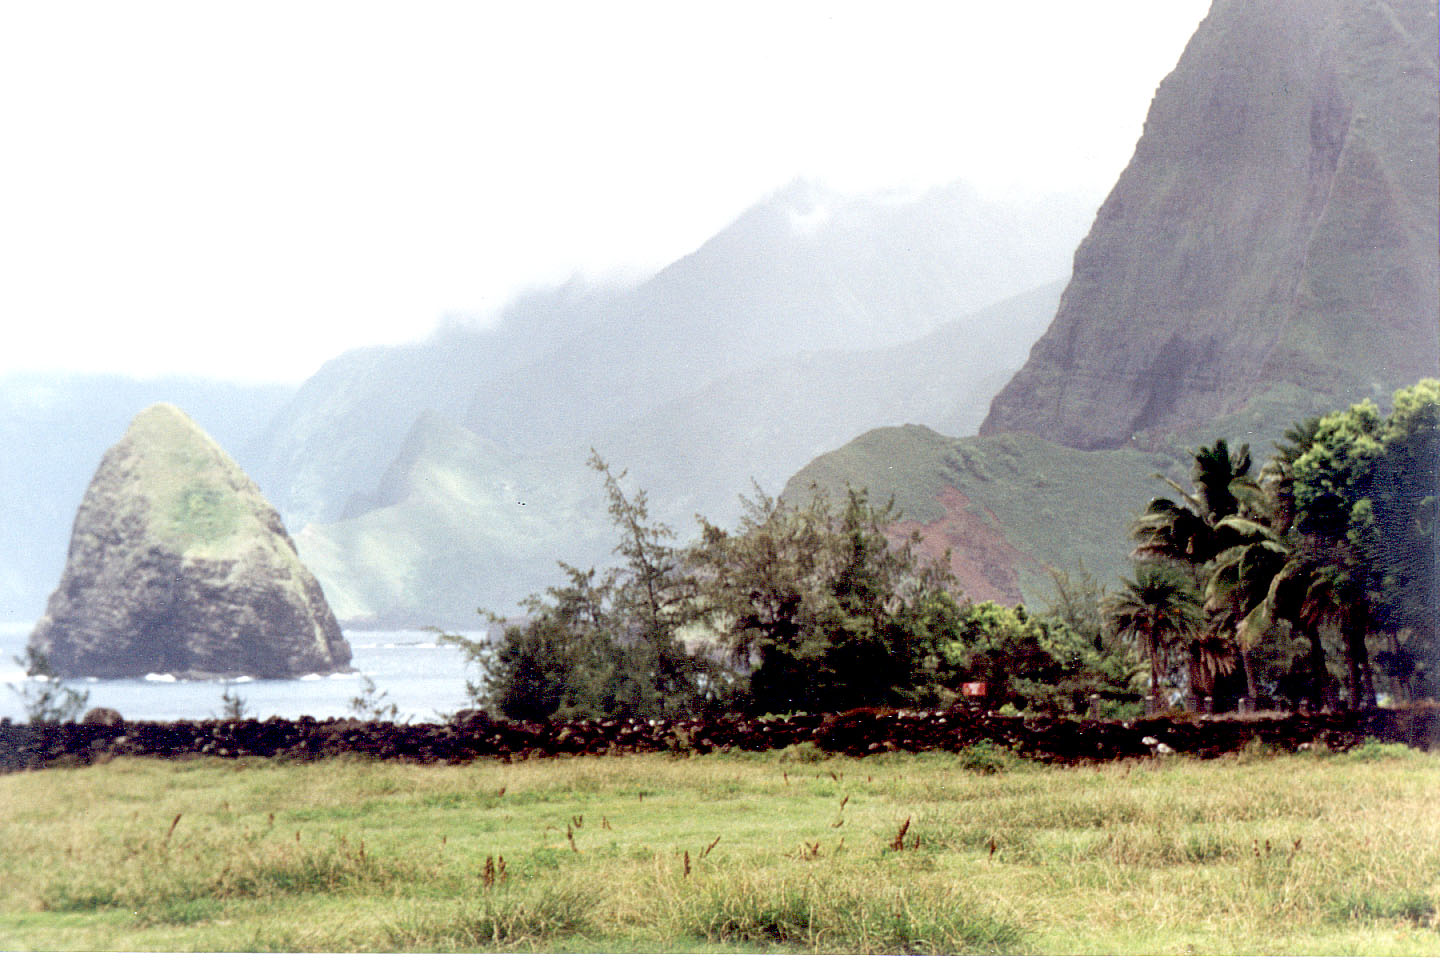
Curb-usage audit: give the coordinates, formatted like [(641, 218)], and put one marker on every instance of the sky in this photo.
[(244, 190)]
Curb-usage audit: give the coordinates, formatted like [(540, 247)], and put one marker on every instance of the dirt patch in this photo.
[(985, 564)]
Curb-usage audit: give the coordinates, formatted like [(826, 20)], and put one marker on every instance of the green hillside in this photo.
[(1031, 501), (462, 525)]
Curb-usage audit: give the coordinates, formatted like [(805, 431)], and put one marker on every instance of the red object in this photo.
[(976, 689)]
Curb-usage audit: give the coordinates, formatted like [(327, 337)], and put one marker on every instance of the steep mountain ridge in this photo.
[(1276, 225), (1005, 510), (1269, 253), (458, 524), (323, 452)]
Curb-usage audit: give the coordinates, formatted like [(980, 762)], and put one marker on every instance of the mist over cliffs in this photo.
[(1272, 241), (426, 480), (803, 271), (1269, 254)]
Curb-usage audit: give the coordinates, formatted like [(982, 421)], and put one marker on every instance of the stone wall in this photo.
[(858, 733)]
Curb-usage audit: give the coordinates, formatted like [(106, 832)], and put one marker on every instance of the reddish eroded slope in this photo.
[(983, 561)]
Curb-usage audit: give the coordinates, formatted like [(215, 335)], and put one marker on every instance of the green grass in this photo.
[(1303, 854)]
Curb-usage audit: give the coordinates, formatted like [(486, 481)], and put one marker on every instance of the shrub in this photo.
[(805, 752), (1373, 750), (987, 757), (48, 701)]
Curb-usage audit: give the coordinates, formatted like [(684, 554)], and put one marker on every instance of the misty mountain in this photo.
[(459, 521), (55, 428), (805, 270), (1274, 234), (1269, 253), (764, 423), (322, 454)]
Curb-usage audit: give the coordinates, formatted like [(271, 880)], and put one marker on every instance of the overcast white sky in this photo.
[(246, 189)]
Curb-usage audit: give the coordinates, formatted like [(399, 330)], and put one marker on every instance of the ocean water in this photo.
[(422, 677)]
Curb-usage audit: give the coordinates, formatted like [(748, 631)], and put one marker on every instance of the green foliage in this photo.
[(1366, 496), (1078, 601), (1034, 663), (605, 646), (1337, 533), (816, 918), (373, 705), (818, 608), (1159, 612), (48, 701), (987, 757), (232, 704), (804, 752), (500, 919), (825, 611), (1373, 751)]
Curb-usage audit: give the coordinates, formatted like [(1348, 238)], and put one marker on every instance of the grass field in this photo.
[(788, 851)]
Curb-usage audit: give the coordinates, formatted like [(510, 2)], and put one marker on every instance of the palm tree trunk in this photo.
[(1154, 672), (1319, 675), (1357, 664), (1202, 680), (1248, 666)]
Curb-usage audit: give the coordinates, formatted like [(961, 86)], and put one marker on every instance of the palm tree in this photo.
[(1238, 581), (1158, 611), (1275, 573), (1192, 532), (1322, 582)]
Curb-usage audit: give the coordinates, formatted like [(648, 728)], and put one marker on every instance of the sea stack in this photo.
[(179, 565)]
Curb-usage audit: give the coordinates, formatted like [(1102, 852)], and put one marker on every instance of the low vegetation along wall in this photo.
[(858, 733)]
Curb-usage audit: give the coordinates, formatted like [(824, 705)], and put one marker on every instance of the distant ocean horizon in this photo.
[(424, 678)]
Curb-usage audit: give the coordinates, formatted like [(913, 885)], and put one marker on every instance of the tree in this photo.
[(232, 705), (1033, 662), (1301, 592), (1191, 535), (653, 599), (606, 645), (1078, 602), (1366, 494), (1339, 532), (759, 586), (48, 701), (1237, 579), (1188, 531), (1402, 538), (1159, 612), (817, 603), (372, 704)]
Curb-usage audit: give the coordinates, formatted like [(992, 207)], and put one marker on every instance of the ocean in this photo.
[(422, 677)]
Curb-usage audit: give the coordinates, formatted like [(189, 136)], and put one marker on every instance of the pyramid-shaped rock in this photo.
[(179, 565)]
